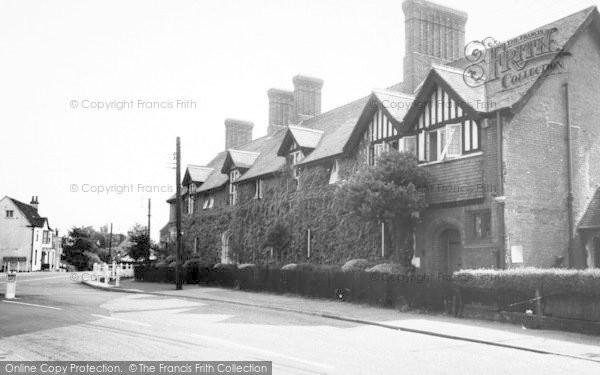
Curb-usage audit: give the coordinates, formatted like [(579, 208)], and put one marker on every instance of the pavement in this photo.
[(56, 317), (574, 345)]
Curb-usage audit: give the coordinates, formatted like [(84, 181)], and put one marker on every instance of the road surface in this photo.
[(55, 318)]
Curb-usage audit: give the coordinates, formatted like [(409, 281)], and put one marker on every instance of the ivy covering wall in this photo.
[(335, 236)]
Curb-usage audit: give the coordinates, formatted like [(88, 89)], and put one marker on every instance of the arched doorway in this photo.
[(225, 247), (451, 248)]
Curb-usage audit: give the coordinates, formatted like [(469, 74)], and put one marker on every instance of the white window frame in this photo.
[(402, 144), (258, 189), (334, 175), (190, 202), (296, 156), (233, 176)]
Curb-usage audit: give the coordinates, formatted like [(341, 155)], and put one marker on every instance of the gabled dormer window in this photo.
[(233, 176), (381, 136), (444, 130)]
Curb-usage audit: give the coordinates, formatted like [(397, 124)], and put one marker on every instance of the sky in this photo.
[(94, 93)]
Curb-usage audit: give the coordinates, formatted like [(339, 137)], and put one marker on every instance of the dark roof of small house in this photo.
[(591, 217), (31, 213)]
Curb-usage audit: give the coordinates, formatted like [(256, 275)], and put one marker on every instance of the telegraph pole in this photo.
[(110, 244), (178, 280), (149, 209)]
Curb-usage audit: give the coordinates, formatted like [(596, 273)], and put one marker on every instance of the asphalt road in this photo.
[(55, 318)]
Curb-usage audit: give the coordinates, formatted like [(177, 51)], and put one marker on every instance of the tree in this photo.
[(77, 245), (141, 243), (279, 238), (390, 192)]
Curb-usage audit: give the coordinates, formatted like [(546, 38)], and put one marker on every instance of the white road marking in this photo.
[(121, 320), (32, 304), (259, 350)]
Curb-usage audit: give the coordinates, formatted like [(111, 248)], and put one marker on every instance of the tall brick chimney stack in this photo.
[(237, 132), (434, 34), (281, 107), (307, 97), (34, 202)]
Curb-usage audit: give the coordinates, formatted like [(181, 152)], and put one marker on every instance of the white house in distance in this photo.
[(26, 239)]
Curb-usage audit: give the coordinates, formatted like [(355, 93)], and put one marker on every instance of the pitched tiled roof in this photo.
[(474, 97), (337, 126), (183, 192), (591, 217), (217, 179), (242, 159), (306, 137), (395, 103), (268, 162), (196, 173), (31, 213)]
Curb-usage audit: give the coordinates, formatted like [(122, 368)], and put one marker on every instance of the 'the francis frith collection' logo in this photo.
[(514, 61)]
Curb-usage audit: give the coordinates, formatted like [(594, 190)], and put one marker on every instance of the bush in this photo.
[(289, 267), (356, 265)]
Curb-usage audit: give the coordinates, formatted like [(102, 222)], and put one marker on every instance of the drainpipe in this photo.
[(569, 177), (500, 192)]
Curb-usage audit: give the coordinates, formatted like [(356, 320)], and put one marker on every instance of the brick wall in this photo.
[(536, 159)]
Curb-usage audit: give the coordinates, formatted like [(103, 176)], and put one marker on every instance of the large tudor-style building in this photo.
[(511, 139)]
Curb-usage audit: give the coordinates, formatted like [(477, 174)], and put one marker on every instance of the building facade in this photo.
[(26, 239), (514, 156)]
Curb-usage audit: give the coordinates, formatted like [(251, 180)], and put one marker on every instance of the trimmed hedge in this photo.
[(551, 281), (571, 294), (330, 282)]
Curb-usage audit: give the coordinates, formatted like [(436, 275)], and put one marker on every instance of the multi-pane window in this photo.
[(46, 237), (295, 158), (190, 205), (408, 145), (233, 176), (482, 224), (444, 130), (10, 213)]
